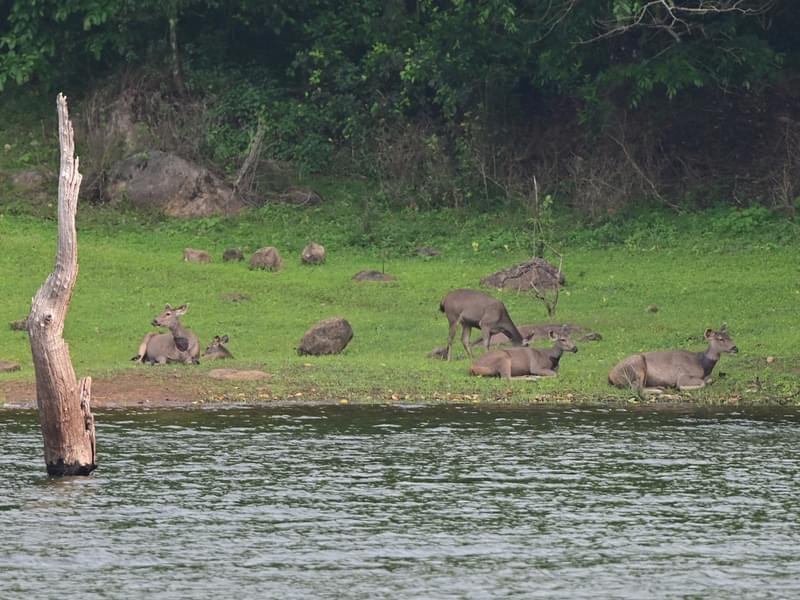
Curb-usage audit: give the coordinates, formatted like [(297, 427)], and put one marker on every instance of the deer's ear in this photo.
[(224, 339), (708, 333), (182, 309), (724, 328), (167, 307), (552, 334)]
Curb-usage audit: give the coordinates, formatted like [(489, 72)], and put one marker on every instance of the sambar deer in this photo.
[(525, 361), (651, 372), (471, 308), (216, 350), (180, 345)]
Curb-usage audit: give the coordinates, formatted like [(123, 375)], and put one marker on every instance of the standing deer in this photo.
[(179, 345), (518, 362), (472, 308), (216, 349), (651, 372)]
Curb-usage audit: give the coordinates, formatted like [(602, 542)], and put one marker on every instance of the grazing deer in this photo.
[(472, 308), (525, 361), (216, 349), (651, 372), (179, 345)]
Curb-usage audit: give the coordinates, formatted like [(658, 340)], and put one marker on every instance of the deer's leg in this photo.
[(483, 370), (486, 333), (466, 330), (687, 383), (451, 334), (544, 373), (505, 367), (143, 348)]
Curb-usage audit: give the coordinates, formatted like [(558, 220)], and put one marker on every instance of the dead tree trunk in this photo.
[(64, 411)]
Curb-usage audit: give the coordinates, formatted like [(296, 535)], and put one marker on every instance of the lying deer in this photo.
[(216, 349), (179, 345), (651, 372), (525, 361), (471, 308)]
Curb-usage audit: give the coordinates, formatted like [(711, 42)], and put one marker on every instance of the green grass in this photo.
[(130, 266)]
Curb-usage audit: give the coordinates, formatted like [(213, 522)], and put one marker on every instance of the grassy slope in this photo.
[(130, 268)]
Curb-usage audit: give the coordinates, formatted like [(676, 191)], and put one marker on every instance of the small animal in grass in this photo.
[(652, 372), (216, 349), (180, 345), (525, 361)]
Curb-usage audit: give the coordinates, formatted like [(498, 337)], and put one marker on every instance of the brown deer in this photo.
[(525, 361), (651, 372), (216, 350), (179, 345), (471, 308)]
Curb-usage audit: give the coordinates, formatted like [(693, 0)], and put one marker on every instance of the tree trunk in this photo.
[(64, 411)]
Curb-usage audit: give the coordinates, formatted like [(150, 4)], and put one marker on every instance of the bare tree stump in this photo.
[(64, 406)]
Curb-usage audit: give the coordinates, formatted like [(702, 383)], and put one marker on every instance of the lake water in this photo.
[(408, 502)]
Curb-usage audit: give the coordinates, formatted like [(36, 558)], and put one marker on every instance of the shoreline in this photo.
[(169, 390)]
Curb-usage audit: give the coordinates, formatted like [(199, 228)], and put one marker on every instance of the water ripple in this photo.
[(409, 502)]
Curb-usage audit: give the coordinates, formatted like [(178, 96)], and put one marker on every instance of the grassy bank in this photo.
[(688, 266)]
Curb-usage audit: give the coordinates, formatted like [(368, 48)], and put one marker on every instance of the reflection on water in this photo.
[(416, 502)]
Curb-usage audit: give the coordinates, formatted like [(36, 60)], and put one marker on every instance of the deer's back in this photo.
[(471, 306), (664, 367)]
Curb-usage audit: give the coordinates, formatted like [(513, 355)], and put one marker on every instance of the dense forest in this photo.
[(602, 105)]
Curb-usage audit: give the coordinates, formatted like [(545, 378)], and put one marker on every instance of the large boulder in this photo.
[(196, 256), (329, 336), (536, 273), (267, 259), (313, 254), (232, 255), (164, 182)]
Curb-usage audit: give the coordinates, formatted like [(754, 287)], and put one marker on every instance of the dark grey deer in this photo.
[(525, 361), (471, 308), (179, 345), (216, 350), (651, 372)]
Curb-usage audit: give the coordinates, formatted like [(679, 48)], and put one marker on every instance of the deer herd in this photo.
[(646, 372)]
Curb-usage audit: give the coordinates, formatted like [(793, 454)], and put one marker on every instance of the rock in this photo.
[(19, 325), (770, 360), (537, 272), (300, 197), (652, 308), (28, 180), (439, 352), (268, 259), (196, 256), (313, 254), (373, 276), (329, 336), (238, 374), (167, 183), (7, 366), (426, 252), (232, 254)]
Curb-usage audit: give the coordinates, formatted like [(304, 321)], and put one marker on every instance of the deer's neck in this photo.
[(708, 361), (177, 330), (554, 354)]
